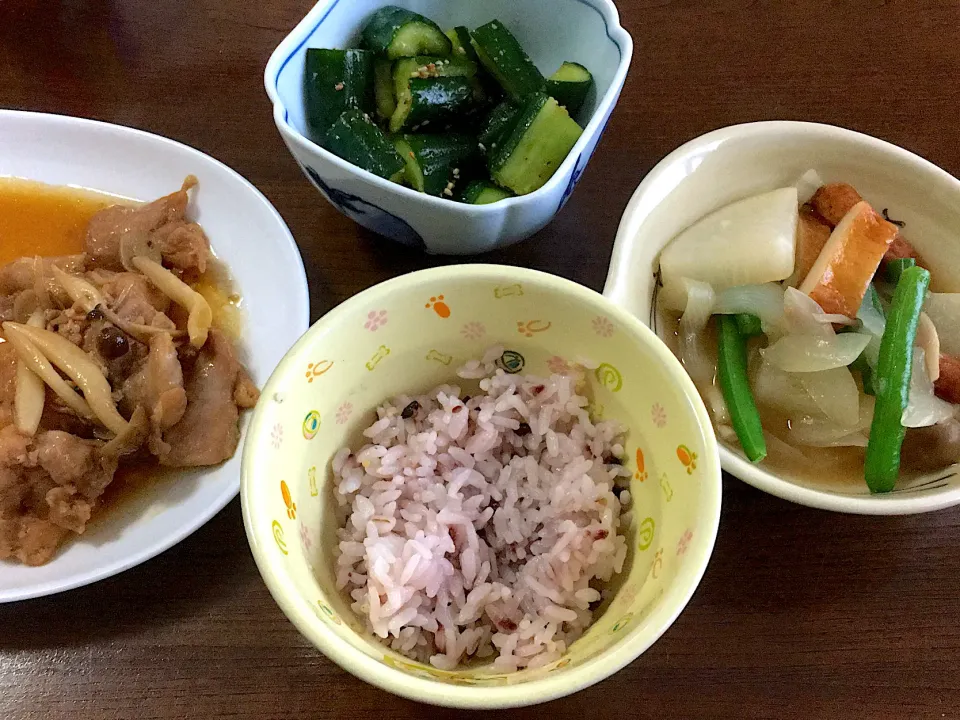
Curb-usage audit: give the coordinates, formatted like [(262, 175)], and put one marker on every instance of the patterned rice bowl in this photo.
[(412, 333)]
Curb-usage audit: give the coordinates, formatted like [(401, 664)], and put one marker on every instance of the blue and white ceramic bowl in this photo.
[(552, 31)]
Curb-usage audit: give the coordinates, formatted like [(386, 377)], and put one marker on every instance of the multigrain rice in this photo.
[(486, 528)]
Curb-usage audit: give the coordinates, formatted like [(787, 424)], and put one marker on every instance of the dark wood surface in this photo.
[(802, 614)]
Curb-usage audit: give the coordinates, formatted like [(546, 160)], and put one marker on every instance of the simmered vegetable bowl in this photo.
[(460, 115), (805, 318)]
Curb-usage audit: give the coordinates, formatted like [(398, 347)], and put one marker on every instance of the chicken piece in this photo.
[(930, 449), (48, 487), (8, 382), (245, 392), (7, 304), (165, 383), (21, 274), (812, 235), (184, 246), (947, 386), (845, 267), (157, 386), (129, 290), (209, 432), (113, 224)]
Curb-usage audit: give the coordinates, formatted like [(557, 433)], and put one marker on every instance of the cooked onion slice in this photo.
[(765, 301), (200, 318), (924, 408), (809, 353), (77, 366)]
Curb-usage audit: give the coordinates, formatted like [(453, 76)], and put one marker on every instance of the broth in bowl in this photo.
[(806, 319)]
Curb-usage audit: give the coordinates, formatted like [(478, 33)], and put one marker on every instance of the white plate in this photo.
[(246, 232)]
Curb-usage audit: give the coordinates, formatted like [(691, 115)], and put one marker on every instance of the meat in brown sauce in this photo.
[(182, 403)]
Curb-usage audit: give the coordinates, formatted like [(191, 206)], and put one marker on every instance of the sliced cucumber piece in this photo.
[(436, 162), (569, 86), (398, 32), (407, 70), (357, 140), (482, 192), (334, 81), (506, 60), (437, 101), (498, 121), (460, 40), (383, 88), (535, 144)]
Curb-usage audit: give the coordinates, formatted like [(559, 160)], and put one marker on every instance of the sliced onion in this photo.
[(779, 390), (808, 353), (836, 394), (803, 316), (765, 301), (924, 408), (807, 184), (813, 431), (699, 364)]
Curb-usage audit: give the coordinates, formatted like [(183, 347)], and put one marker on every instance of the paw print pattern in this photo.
[(288, 500), (375, 319), (438, 306), (641, 473), (602, 326), (688, 458), (532, 327)]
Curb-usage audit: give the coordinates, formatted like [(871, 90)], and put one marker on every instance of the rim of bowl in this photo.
[(300, 35), (638, 640), (636, 213)]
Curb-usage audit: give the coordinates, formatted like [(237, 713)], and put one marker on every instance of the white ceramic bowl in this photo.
[(585, 31), (410, 334), (735, 162), (246, 233)]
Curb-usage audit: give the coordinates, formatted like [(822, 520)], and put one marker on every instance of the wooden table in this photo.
[(802, 614)]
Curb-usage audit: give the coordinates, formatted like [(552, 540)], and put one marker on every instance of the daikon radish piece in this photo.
[(839, 278), (748, 242)]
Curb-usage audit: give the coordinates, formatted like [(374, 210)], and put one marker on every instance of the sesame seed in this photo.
[(448, 192)]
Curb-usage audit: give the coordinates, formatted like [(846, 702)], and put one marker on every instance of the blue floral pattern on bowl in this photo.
[(372, 217)]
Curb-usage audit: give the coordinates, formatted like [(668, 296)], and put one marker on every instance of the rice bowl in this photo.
[(409, 335)]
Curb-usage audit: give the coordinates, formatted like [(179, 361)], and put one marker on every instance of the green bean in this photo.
[(748, 325), (866, 373), (892, 380), (732, 369), (895, 268)]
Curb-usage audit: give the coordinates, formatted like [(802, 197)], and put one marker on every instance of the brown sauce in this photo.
[(45, 220)]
